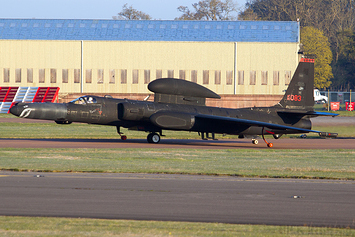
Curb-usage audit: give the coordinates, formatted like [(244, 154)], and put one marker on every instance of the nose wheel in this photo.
[(123, 137), (153, 138)]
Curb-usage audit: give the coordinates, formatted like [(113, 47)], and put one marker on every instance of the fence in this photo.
[(340, 100)]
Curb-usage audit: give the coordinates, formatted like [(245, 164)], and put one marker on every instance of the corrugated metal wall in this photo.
[(127, 66)]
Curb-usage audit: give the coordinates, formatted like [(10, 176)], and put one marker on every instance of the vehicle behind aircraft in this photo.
[(318, 98)]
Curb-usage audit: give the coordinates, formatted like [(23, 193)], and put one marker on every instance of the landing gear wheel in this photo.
[(270, 145), (277, 136), (153, 138), (255, 142), (123, 138), (303, 136)]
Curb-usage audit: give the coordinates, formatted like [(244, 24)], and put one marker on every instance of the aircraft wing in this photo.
[(239, 122), (185, 121)]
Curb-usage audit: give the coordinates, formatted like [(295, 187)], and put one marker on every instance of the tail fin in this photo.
[(299, 94)]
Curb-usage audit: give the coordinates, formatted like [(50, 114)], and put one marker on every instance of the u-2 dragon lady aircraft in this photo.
[(180, 105)]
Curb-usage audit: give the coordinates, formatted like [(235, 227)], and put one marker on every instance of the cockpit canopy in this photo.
[(83, 100)]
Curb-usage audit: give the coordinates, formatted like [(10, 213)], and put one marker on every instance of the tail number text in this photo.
[(294, 97)]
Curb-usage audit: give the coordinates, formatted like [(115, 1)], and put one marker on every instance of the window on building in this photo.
[(182, 74), (263, 77), (18, 75), (29, 75), (100, 76), (217, 77), (123, 76), (229, 77), (112, 76), (194, 76), (88, 77), (6, 74), (171, 73), (159, 73), (65, 75), (252, 77), (41, 75), (53, 75), (276, 78), (287, 77), (146, 76), (76, 75), (135, 76), (206, 77), (240, 77)]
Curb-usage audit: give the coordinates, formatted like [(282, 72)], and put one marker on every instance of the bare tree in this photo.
[(332, 17), (329, 16), (129, 13), (209, 10)]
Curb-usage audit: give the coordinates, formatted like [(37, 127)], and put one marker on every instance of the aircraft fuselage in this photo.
[(141, 115)]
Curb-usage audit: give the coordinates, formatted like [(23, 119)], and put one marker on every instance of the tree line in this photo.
[(327, 29)]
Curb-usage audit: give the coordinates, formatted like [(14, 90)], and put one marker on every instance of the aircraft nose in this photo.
[(16, 109), (46, 111)]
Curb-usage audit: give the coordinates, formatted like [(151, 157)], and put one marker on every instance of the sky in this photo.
[(92, 9)]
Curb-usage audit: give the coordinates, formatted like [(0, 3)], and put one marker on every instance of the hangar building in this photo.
[(120, 57)]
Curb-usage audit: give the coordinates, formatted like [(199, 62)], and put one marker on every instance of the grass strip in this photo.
[(332, 164), (88, 131), (41, 226)]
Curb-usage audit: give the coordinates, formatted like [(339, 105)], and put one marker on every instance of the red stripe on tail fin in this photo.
[(307, 60)]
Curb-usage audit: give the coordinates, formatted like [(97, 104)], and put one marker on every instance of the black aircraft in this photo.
[(180, 105)]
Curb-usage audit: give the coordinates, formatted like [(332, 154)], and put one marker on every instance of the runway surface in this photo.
[(326, 203), (179, 198), (180, 144)]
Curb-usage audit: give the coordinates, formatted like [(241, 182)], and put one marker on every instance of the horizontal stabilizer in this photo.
[(324, 114), (304, 113)]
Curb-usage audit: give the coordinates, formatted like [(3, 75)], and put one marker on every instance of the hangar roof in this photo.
[(149, 30)]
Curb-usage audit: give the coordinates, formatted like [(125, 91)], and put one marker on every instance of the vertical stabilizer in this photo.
[(299, 94)]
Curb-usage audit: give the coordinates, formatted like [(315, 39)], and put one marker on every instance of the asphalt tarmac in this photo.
[(288, 202), (327, 203), (295, 143)]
